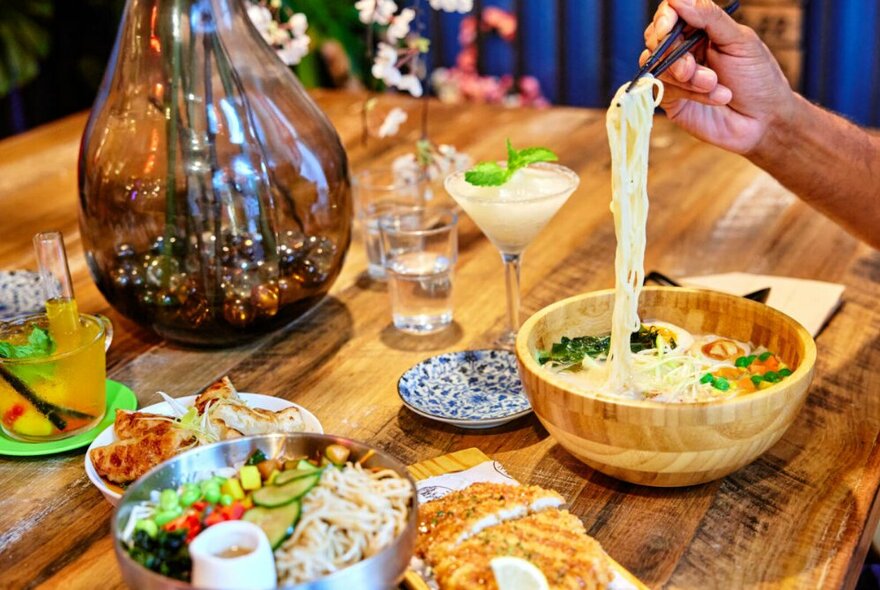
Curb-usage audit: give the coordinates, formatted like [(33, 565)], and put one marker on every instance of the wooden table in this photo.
[(800, 516)]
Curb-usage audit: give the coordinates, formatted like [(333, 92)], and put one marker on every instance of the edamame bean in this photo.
[(148, 526), (225, 499), (190, 497), (168, 500), (212, 493), (166, 516)]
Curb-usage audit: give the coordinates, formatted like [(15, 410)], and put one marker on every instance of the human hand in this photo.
[(730, 92)]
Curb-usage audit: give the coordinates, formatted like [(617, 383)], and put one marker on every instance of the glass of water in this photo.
[(378, 192), (420, 248)]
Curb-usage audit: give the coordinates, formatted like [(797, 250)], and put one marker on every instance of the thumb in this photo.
[(705, 14)]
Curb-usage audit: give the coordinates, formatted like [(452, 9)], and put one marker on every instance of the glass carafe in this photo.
[(214, 194)]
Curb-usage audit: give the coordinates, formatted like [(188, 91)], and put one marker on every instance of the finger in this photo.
[(718, 98), (684, 68), (661, 25), (705, 14)]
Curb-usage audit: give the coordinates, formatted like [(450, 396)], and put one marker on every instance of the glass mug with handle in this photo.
[(49, 389)]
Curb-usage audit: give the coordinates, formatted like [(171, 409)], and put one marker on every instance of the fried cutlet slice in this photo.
[(136, 424), (553, 540), (219, 390), (446, 522), (124, 461)]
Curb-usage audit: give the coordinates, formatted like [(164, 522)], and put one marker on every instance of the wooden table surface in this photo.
[(801, 516)]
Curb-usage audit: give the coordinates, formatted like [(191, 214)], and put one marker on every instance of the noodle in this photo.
[(629, 122), (351, 514)]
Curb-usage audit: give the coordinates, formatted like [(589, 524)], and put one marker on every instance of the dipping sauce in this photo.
[(235, 551)]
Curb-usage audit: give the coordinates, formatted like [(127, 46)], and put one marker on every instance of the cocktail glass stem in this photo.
[(511, 276)]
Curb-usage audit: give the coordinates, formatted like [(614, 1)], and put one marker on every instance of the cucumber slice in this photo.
[(292, 474), (272, 496), (305, 465), (277, 523)]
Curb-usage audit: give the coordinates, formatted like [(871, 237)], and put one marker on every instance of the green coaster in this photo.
[(119, 397)]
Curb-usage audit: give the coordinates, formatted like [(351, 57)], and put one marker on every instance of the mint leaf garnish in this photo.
[(492, 174), (487, 174), (39, 344)]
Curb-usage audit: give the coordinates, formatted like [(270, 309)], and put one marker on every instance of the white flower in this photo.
[(385, 65), (375, 11), (452, 5), (294, 49), (400, 25), (298, 24), (410, 83), (262, 19), (393, 120)]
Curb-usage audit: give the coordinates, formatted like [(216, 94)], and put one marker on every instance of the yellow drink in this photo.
[(54, 396)]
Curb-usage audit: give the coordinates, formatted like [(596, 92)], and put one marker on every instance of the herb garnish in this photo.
[(39, 344), (571, 351), (493, 174)]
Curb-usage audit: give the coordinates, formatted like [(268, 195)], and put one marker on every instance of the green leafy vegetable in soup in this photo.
[(571, 351)]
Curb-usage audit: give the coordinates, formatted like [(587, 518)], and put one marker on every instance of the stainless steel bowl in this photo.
[(379, 572)]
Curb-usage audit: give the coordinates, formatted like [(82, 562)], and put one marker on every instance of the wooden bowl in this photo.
[(667, 444)]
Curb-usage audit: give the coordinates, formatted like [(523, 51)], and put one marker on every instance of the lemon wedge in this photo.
[(514, 573)]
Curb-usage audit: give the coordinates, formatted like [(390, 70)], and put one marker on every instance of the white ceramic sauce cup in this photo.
[(253, 568)]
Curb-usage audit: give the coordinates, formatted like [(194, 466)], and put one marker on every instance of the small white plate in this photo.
[(255, 400)]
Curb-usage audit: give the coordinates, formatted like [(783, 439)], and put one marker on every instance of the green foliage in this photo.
[(24, 41), (40, 344)]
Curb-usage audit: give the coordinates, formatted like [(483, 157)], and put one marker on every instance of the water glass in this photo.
[(377, 192), (420, 248)]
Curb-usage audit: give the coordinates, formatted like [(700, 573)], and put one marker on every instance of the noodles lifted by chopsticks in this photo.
[(350, 515), (629, 121)]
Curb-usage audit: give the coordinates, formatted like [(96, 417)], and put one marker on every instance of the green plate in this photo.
[(119, 397)]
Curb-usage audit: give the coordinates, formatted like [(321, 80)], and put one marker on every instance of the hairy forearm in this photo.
[(830, 163)]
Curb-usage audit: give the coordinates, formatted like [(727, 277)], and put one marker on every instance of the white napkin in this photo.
[(438, 486), (809, 302)]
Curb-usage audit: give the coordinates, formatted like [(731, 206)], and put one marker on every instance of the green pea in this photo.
[(756, 379), (212, 493), (771, 376), (148, 526), (166, 516), (168, 499), (742, 362), (764, 356), (225, 499), (721, 384), (190, 497), (784, 372), (707, 378)]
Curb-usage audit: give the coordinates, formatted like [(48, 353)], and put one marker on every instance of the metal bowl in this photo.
[(379, 572)]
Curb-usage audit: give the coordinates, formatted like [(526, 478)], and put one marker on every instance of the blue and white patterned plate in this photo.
[(469, 389), (21, 293)]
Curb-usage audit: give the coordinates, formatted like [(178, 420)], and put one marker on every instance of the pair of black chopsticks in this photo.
[(760, 295), (655, 67)]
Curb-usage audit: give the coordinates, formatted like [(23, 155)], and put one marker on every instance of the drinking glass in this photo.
[(59, 395), (377, 191), (511, 215), (420, 247)]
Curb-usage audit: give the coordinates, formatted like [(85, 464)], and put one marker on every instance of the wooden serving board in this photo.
[(465, 459)]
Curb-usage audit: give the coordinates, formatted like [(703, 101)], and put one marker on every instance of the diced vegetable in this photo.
[(250, 477), (721, 384), (168, 500), (148, 526), (267, 467), (278, 495), (257, 456), (233, 488), (226, 500), (277, 523), (190, 495), (212, 492), (165, 516), (337, 454)]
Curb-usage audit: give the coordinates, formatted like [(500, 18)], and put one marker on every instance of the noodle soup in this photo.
[(667, 364)]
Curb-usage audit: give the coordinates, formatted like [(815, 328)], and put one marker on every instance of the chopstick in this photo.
[(656, 67), (760, 295)]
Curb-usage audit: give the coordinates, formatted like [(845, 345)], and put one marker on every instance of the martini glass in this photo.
[(511, 215)]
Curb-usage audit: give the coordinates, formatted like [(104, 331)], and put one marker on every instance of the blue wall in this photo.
[(602, 39)]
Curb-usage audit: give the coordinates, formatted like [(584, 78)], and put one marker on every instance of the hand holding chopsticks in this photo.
[(655, 66)]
